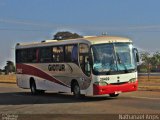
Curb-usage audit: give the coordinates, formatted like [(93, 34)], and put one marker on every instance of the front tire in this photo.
[(76, 90), (113, 95)]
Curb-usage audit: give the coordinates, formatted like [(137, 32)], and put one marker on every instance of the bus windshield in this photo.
[(113, 57)]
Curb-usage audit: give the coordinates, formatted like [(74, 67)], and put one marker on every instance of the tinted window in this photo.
[(71, 53), (46, 54), (27, 55), (58, 54), (31, 56)]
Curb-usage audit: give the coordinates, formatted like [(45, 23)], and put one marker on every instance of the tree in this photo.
[(66, 35), (147, 60), (156, 59), (150, 61), (9, 68)]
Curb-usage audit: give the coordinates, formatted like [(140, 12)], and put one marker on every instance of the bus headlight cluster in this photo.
[(101, 83), (132, 80)]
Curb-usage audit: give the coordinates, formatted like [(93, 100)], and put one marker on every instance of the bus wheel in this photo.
[(76, 90), (34, 90), (113, 95)]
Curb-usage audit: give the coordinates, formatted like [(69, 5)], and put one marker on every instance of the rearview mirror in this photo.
[(136, 54)]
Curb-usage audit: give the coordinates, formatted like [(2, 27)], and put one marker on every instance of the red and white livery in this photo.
[(86, 66)]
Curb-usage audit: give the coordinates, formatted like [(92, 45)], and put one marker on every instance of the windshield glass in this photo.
[(111, 57)]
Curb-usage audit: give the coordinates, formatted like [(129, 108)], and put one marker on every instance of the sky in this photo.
[(37, 20)]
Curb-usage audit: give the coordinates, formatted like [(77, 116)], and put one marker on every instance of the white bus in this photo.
[(100, 65)]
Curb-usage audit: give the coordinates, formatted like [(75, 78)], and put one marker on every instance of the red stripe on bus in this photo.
[(31, 70)]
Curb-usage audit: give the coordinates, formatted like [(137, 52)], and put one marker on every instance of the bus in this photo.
[(91, 66)]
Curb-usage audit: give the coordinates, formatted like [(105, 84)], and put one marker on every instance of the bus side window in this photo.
[(26, 56), (58, 54), (74, 54), (23, 56), (45, 54), (32, 58), (18, 56), (71, 53), (37, 55)]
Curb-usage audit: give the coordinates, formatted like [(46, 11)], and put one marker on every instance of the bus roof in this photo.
[(88, 39), (107, 39)]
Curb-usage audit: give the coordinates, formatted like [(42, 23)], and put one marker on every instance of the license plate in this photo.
[(118, 92)]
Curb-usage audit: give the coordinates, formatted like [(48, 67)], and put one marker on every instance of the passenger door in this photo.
[(84, 59)]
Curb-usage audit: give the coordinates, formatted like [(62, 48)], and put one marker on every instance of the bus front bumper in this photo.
[(116, 89)]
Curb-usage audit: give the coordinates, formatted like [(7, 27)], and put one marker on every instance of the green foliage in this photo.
[(146, 58), (142, 68), (66, 35), (9, 68), (155, 59), (149, 62)]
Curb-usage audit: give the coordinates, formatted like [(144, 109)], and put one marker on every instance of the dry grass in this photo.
[(151, 77), (154, 79), (153, 83), (8, 78)]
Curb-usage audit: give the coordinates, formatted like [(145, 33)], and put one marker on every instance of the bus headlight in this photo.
[(101, 83), (132, 80)]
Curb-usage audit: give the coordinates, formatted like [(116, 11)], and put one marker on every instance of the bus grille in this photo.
[(118, 83)]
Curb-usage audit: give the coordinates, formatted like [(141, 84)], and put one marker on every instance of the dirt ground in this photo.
[(8, 78)]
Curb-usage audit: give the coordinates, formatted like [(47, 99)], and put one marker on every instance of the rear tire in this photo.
[(41, 91), (76, 90), (33, 88), (113, 95)]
